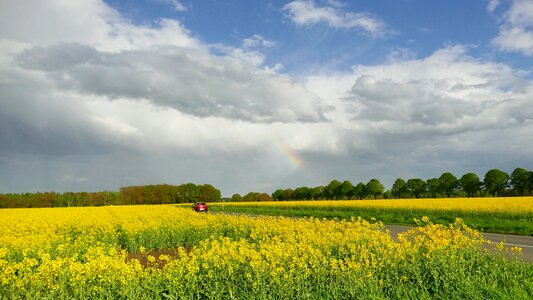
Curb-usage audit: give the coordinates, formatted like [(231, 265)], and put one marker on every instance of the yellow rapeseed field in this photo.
[(500, 204), (108, 252), (513, 215)]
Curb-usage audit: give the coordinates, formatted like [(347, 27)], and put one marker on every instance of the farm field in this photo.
[(512, 215), (163, 251)]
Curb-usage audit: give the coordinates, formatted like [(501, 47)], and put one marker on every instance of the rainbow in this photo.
[(296, 160)]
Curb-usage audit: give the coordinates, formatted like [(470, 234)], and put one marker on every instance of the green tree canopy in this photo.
[(344, 191), (375, 188), (359, 190), (208, 192), (470, 183), (416, 186), (432, 186), (530, 185), (520, 180), (316, 192), (287, 194), (331, 189), (399, 188), (448, 183), (301, 193), (496, 181), (278, 195), (236, 198), (254, 197)]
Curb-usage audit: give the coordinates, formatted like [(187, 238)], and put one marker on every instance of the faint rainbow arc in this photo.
[(296, 159)]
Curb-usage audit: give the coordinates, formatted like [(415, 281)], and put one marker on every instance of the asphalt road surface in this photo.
[(524, 242)]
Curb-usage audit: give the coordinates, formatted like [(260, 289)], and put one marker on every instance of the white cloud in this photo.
[(307, 12), (90, 22), (178, 6), (401, 54), (515, 39), (257, 41), (247, 56), (125, 36), (274, 69), (516, 31), (445, 93), (491, 6), (175, 4), (385, 113), (336, 3), (163, 65), (521, 13)]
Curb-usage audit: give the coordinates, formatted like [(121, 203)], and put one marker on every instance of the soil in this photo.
[(159, 263)]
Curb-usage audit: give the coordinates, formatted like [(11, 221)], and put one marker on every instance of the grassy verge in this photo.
[(485, 221)]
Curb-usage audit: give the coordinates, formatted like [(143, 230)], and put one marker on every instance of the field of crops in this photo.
[(504, 215), (151, 252)]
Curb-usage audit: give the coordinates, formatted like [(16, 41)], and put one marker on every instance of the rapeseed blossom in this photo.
[(110, 252), (500, 204)]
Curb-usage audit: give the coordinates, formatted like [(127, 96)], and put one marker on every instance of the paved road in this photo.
[(524, 242)]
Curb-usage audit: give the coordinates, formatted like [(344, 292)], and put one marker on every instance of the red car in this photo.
[(200, 207)]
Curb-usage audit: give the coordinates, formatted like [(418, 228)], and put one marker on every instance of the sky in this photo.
[(260, 95)]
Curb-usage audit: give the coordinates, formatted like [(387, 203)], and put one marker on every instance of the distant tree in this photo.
[(316, 193), (301, 193), (374, 188), (520, 181), (251, 196), (264, 197), (278, 195), (496, 181), (254, 197), (432, 187), (207, 192), (387, 194), (188, 193), (359, 191), (530, 185), (470, 184), (331, 189), (236, 198), (344, 191), (399, 188), (131, 195), (448, 183), (416, 186), (287, 195), (4, 201)]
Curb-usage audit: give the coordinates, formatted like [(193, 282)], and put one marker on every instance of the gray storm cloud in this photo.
[(189, 80)]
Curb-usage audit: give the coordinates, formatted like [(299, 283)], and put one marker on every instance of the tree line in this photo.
[(250, 197), (167, 194), (335, 190), (495, 183), (130, 195)]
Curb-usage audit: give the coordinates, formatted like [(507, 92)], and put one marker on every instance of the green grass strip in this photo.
[(497, 222)]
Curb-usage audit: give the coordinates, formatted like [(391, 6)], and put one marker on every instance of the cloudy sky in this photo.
[(259, 95)]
